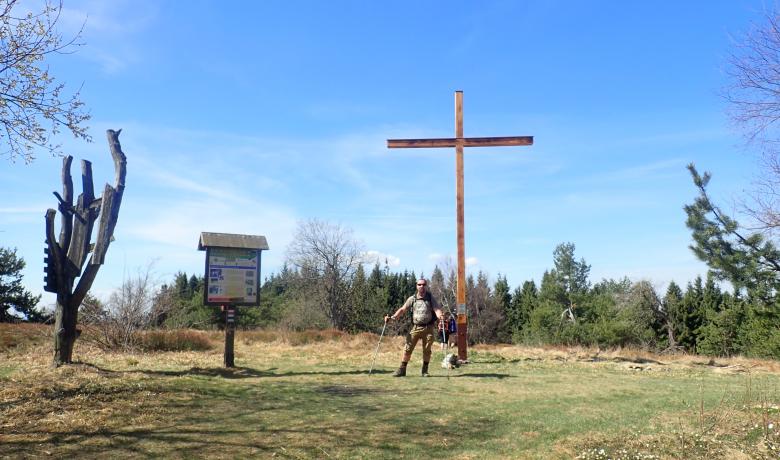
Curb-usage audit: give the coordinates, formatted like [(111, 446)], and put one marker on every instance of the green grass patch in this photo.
[(7, 370)]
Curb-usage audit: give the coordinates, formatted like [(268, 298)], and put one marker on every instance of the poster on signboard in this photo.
[(232, 276)]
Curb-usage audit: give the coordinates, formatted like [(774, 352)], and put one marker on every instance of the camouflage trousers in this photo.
[(424, 333)]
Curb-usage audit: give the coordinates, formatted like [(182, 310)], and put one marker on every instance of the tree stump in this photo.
[(66, 258)]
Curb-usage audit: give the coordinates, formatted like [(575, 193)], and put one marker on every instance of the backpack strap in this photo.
[(428, 298)]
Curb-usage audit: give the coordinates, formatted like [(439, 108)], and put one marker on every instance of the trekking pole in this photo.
[(446, 346), (377, 348)]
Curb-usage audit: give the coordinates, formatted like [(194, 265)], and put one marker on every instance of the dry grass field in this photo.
[(309, 395)]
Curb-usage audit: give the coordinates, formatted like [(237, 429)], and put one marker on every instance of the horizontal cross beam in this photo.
[(467, 142)]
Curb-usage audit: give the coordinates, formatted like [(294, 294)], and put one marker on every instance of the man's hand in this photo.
[(388, 318)]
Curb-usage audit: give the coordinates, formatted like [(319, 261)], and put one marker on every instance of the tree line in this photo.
[(565, 308)]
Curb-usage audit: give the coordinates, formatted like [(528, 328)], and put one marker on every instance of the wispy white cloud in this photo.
[(117, 18), (675, 137), (443, 260), (179, 223), (671, 167), (272, 161), (651, 169), (23, 209), (20, 215), (169, 180), (593, 200), (373, 257), (171, 231), (436, 257), (109, 29), (328, 110)]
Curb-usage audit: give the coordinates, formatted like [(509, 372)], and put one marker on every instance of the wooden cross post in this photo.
[(459, 142)]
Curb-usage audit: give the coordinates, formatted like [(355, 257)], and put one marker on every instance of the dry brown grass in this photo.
[(636, 356), (178, 340), (13, 335)]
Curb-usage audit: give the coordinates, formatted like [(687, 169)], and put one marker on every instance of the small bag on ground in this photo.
[(450, 361)]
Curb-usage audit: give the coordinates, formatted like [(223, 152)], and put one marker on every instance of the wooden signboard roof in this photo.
[(230, 240)]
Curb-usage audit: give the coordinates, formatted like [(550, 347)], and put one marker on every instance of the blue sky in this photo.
[(247, 117)]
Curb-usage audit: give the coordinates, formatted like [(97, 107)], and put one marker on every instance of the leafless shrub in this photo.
[(304, 310), (444, 283), (129, 310), (327, 256)]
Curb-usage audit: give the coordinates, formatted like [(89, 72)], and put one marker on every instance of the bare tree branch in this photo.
[(327, 256), (33, 107)]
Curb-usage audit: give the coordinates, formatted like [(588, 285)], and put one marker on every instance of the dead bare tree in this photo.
[(753, 94), (66, 257), (444, 286), (327, 255)]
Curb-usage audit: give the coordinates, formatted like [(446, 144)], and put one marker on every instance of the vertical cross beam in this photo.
[(460, 301), (459, 142)]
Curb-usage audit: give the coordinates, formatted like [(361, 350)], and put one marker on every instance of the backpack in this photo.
[(423, 316)]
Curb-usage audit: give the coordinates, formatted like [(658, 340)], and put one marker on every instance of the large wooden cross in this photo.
[(459, 142)]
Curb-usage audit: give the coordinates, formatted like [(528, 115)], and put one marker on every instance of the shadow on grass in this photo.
[(621, 359), (346, 390), (224, 372), (215, 439), (246, 372), (231, 373), (484, 375), (283, 419), (524, 359)]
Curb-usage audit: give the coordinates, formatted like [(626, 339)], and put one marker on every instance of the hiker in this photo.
[(443, 334), (452, 332), (425, 313)]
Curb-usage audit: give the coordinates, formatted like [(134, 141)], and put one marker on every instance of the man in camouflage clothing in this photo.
[(425, 312)]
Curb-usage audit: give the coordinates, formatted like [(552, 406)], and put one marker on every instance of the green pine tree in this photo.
[(360, 317), (719, 336), (693, 315), (13, 296), (502, 298), (748, 260), (524, 301), (673, 316)]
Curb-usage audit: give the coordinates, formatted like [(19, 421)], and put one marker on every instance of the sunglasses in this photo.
[(423, 284)]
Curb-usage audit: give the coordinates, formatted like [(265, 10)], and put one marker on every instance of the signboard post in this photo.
[(230, 333), (232, 277)]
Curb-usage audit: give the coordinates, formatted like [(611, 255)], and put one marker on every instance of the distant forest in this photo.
[(564, 309)]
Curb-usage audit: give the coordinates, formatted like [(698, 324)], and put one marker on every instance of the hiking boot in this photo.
[(425, 370), (400, 372)]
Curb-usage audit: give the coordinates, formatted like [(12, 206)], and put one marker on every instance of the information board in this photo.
[(232, 276)]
